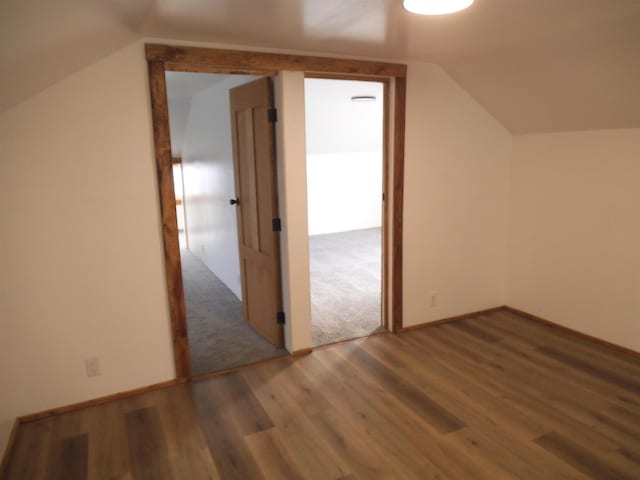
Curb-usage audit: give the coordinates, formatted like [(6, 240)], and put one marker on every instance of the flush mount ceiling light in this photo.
[(435, 7), (363, 98)]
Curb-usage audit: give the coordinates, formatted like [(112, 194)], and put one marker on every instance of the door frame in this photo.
[(162, 58)]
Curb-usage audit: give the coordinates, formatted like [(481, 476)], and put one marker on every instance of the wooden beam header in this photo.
[(269, 61)]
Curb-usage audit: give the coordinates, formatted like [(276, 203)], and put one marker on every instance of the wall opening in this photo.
[(164, 58), (345, 184), (201, 143)]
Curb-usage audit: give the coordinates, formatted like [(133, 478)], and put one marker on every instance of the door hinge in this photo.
[(276, 225), (272, 115), (280, 318)]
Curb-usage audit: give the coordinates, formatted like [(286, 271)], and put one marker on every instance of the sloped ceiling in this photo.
[(536, 65), (181, 87)]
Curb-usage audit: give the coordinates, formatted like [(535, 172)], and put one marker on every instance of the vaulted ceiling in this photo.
[(536, 65)]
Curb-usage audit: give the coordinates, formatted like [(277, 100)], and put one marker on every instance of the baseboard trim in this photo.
[(8, 450), (464, 316), (96, 401), (130, 393), (586, 336), (302, 352)]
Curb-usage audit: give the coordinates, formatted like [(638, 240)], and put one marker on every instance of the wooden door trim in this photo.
[(173, 268), (400, 91), (163, 58), (208, 57)]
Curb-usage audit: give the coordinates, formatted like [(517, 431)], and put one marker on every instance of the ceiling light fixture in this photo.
[(435, 7), (363, 98)]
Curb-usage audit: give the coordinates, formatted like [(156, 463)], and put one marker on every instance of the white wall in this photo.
[(456, 192), (207, 160), (292, 193), (81, 258), (178, 116), (344, 141), (574, 250), (344, 191)]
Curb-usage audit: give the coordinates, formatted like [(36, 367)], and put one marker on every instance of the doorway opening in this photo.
[(345, 145), (164, 58), (205, 177)]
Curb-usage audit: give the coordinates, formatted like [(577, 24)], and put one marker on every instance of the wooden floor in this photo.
[(490, 397)]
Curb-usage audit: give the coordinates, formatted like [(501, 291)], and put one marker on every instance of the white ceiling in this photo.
[(536, 65), (181, 87)]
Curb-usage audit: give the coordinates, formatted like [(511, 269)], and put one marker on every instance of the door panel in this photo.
[(255, 177), (247, 176)]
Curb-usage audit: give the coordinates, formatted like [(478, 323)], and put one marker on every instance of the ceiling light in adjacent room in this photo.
[(363, 98), (435, 7)]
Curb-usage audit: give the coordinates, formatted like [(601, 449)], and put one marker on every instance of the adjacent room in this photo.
[(344, 144), (201, 148)]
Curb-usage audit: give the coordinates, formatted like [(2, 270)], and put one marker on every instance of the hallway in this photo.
[(218, 336)]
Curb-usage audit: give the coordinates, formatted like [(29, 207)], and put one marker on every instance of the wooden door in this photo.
[(257, 209)]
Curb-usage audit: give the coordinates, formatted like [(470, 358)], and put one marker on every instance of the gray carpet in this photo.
[(345, 285), (218, 336)]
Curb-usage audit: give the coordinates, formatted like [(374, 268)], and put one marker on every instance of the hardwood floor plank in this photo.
[(581, 458), (124, 476), (232, 391), (604, 374), (408, 360), (296, 430), (180, 422), (476, 332), (147, 445), (481, 413), (31, 451), (430, 411), (628, 416), (522, 396), (298, 388), (530, 329), (410, 438), (494, 453), (598, 395), (224, 431), (633, 456), (272, 456), (352, 446), (370, 416), (194, 464), (69, 458), (623, 463), (109, 448), (580, 397)]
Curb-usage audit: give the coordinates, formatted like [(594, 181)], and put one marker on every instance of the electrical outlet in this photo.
[(92, 365), (434, 299)]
